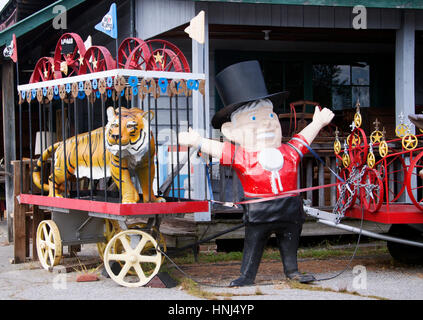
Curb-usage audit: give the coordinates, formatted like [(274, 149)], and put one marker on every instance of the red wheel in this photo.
[(358, 147), (165, 56), (68, 55), (96, 59), (43, 70), (344, 174), (127, 47), (415, 188), (371, 191), (138, 58), (393, 172)]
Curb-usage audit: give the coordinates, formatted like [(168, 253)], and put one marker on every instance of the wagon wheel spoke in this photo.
[(140, 245), (151, 259), (45, 254), (50, 255), (118, 257), (140, 273), (51, 245), (100, 64), (45, 232), (124, 271), (125, 243)]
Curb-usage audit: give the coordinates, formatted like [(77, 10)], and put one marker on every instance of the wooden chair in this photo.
[(298, 117)]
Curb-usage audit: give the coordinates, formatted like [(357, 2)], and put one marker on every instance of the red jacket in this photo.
[(257, 181)]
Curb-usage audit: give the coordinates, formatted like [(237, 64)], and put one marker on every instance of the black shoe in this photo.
[(241, 281), (301, 278)]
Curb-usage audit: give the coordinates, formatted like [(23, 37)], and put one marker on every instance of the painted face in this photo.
[(257, 129)]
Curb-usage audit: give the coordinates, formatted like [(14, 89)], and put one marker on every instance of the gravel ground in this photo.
[(377, 281)]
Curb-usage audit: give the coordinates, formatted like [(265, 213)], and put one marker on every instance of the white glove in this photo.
[(323, 117), (191, 138)]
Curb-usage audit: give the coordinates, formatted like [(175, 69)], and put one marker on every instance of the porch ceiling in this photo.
[(231, 32)]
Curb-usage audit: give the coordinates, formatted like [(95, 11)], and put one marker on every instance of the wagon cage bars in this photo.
[(95, 126)]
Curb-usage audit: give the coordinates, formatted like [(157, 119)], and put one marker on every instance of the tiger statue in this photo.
[(134, 148)]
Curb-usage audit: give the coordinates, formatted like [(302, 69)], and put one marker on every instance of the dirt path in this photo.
[(272, 270)]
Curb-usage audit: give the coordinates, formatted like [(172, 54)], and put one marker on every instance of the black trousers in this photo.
[(256, 236)]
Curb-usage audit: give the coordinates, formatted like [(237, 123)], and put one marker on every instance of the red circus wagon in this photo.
[(92, 147)]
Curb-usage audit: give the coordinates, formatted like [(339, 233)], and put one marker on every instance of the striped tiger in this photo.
[(134, 148)]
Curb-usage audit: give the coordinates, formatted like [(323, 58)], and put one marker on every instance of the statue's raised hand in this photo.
[(190, 138), (322, 117)]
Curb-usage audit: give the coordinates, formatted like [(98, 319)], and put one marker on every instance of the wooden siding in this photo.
[(158, 16), (297, 16)]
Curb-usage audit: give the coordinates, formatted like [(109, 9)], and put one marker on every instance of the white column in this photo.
[(404, 66), (404, 74), (201, 116)]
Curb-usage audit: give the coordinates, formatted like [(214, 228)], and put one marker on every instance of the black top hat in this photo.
[(239, 84)]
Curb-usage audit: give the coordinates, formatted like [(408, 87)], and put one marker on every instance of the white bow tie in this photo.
[(271, 159)]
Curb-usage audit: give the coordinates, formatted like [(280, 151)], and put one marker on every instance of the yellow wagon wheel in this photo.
[(49, 244), (371, 160), (158, 236), (111, 227), (383, 149), (133, 258), (409, 142), (337, 146)]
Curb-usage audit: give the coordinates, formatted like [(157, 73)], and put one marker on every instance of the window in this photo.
[(341, 86), (285, 76)]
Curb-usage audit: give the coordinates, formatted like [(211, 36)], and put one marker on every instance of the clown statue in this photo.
[(265, 166)]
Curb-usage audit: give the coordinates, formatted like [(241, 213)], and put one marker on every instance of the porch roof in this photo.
[(393, 4), (35, 20)]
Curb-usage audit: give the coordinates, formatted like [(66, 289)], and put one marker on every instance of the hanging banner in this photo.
[(108, 24)]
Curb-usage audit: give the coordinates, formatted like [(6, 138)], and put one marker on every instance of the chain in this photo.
[(353, 181)]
